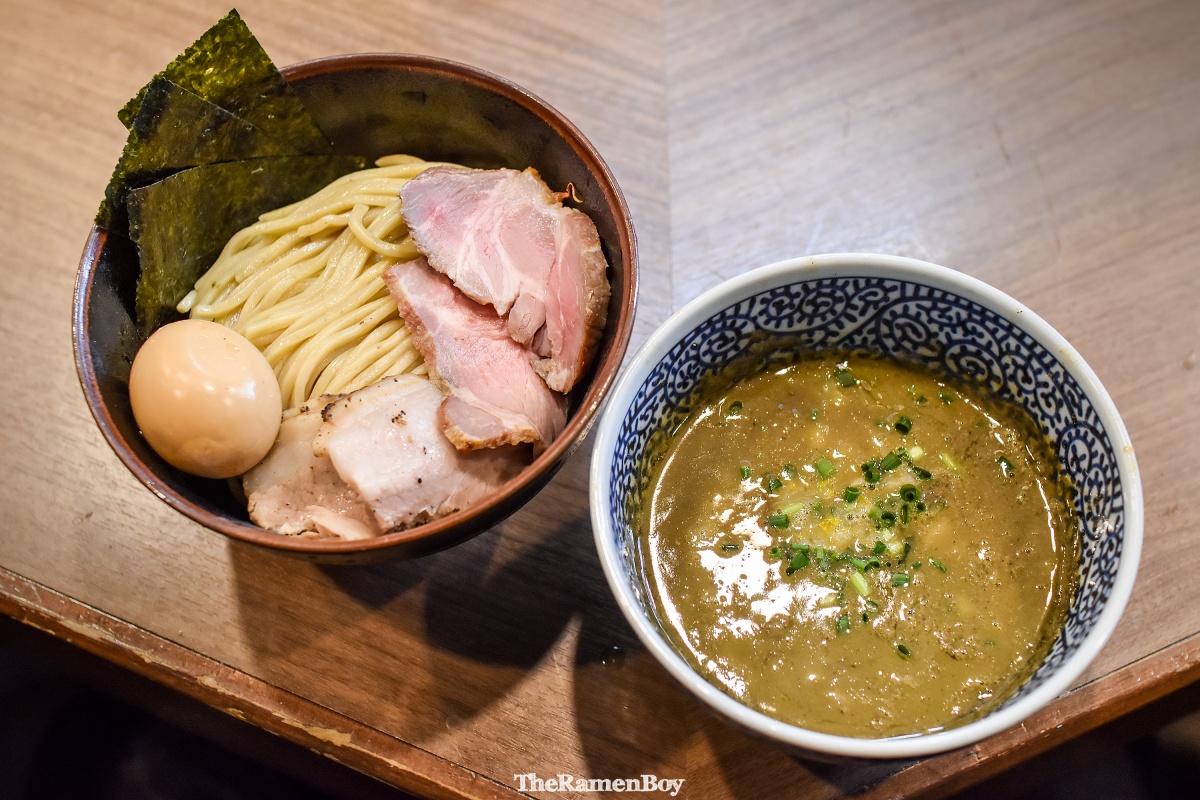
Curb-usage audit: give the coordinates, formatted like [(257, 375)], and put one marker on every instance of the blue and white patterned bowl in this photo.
[(920, 312)]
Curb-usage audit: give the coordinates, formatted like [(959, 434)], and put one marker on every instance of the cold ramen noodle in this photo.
[(854, 546)]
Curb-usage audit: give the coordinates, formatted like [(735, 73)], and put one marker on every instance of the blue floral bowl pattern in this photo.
[(930, 316)]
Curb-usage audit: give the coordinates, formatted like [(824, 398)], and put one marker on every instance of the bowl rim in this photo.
[(876, 266), (605, 371)]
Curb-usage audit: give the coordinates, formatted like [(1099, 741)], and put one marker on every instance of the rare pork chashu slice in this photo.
[(294, 491), (493, 395), (506, 240), (385, 442)]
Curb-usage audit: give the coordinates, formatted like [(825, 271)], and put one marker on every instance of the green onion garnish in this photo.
[(789, 470), (876, 512), (917, 565), (861, 563), (851, 494), (801, 546), (922, 400), (948, 461), (774, 552), (903, 425), (890, 462), (879, 547), (887, 519), (845, 377), (903, 651), (904, 514), (937, 563), (860, 584), (778, 520), (814, 415), (946, 397), (923, 474), (843, 623), (910, 493), (907, 549), (799, 561), (870, 471), (824, 466), (874, 561), (745, 473), (773, 483), (920, 505), (865, 617), (730, 547), (900, 579), (1006, 467), (734, 409)]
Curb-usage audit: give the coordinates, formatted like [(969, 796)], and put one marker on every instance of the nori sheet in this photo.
[(182, 223), (175, 129), (229, 68)]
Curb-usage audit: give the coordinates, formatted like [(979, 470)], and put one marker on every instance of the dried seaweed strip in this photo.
[(228, 67), (175, 129), (181, 223)]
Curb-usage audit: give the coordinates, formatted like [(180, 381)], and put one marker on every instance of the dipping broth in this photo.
[(854, 546)]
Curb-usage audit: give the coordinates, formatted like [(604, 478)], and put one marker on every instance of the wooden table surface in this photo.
[(1049, 148)]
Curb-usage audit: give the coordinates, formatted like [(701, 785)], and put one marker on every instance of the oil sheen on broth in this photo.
[(849, 544)]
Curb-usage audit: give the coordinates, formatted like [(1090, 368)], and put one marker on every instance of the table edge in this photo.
[(247, 698), (406, 766)]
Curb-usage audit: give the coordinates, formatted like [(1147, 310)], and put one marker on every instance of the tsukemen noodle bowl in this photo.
[(866, 506)]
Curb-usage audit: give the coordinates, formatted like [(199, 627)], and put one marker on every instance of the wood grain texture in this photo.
[(1047, 148)]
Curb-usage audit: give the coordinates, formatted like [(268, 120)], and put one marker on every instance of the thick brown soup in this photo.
[(851, 545)]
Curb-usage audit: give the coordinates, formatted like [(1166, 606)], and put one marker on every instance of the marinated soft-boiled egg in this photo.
[(205, 398)]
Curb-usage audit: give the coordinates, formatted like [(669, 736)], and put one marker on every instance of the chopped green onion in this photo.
[(778, 520), (922, 400), (789, 470), (903, 651), (814, 415), (917, 565), (799, 561), (873, 604), (907, 549), (874, 561), (876, 512), (910, 493), (773, 483), (888, 519), (774, 552), (745, 473), (801, 546), (851, 494), (734, 409), (845, 378), (879, 547), (937, 563), (920, 505), (904, 514), (922, 474), (824, 466), (903, 425), (730, 547), (1006, 467), (899, 579), (948, 461), (865, 617), (861, 563), (860, 584), (890, 462), (870, 471), (946, 397), (843, 623)]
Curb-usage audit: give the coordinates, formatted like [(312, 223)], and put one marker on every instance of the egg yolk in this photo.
[(205, 398)]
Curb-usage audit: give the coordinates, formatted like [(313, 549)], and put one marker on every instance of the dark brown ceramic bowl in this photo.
[(374, 105)]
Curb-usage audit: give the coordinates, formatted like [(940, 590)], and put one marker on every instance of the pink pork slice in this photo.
[(493, 395), (506, 240)]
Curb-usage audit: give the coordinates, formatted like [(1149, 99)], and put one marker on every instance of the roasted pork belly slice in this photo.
[(294, 491), (506, 240), (386, 442), (493, 395)]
